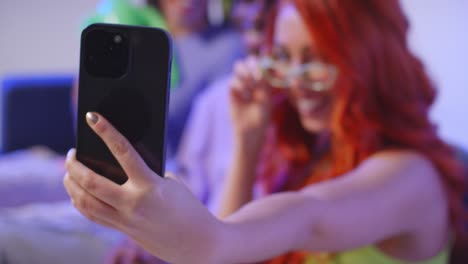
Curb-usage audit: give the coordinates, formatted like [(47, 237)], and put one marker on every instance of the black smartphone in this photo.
[(125, 77)]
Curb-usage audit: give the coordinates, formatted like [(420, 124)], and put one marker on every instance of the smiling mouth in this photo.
[(311, 107)]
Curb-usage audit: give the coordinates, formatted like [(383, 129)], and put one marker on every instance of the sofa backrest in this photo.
[(36, 110)]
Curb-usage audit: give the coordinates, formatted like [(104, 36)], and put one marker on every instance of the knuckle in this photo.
[(121, 147), (81, 201), (89, 181), (84, 204), (87, 205), (101, 127), (137, 203)]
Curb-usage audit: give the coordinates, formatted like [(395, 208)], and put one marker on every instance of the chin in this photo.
[(314, 126)]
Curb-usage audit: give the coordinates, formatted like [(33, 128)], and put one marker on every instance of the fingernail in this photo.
[(93, 118), (70, 153)]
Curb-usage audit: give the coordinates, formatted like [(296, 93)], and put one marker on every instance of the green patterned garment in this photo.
[(371, 255), (124, 12)]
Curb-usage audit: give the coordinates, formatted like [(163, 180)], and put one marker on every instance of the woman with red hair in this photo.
[(331, 128)]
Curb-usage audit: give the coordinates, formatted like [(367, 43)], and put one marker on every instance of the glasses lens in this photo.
[(317, 72), (274, 73), (319, 76), (316, 76)]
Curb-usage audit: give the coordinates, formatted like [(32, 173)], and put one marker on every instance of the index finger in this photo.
[(131, 162)]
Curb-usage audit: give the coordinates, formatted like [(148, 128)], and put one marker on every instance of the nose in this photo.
[(295, 84), (294, 79)]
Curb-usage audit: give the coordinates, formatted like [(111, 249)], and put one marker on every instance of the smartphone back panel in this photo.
[(124, 76)]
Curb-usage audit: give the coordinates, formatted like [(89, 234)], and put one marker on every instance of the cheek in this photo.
[(318, 119)]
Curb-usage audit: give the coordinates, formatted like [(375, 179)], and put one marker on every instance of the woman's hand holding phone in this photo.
[(158, 213)]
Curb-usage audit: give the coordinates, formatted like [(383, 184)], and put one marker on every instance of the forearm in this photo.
[(266, 228), (238, 186)]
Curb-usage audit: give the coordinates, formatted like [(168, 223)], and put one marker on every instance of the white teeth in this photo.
[(307, 105)]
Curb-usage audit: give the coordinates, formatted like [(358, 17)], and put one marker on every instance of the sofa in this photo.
[(38, 224), (36, 110)]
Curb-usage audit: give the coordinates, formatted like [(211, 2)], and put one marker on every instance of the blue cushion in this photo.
[(36, 110)]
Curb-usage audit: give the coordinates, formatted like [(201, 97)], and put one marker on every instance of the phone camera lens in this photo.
[(117, 39)]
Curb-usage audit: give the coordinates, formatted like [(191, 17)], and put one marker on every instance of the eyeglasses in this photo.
[(316, 75)]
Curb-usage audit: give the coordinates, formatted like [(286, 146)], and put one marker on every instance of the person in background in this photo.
[(207, 143), (206, 52), (332, 127)]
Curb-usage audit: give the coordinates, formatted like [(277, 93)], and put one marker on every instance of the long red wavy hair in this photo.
[(382, 98)]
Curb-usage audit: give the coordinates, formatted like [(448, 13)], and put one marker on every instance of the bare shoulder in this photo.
[(401, 159), (418, 180), (406, 179), (386, 171), (402, 164), (413, 172), (394, 194)]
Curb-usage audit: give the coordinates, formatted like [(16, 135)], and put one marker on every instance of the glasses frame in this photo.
[(267, 63)]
